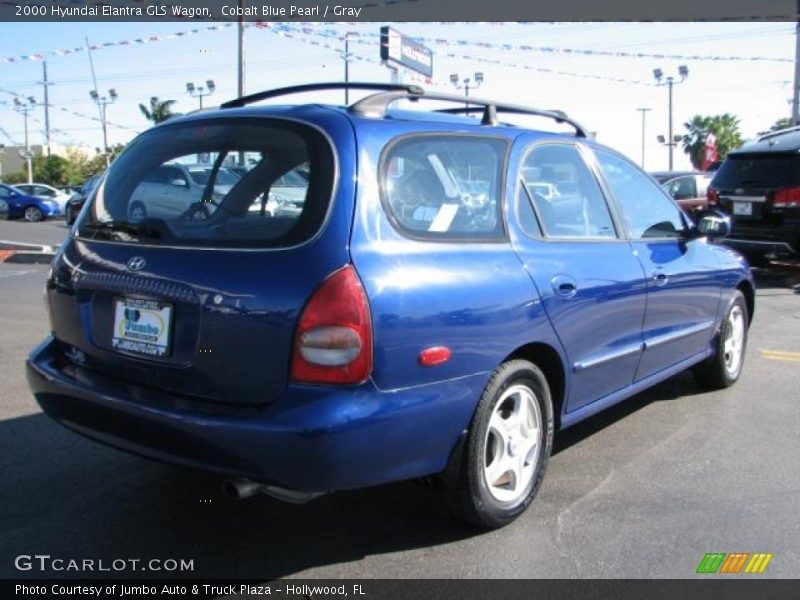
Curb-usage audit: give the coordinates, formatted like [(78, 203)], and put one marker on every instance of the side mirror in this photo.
[(179, 183), (714, 224)]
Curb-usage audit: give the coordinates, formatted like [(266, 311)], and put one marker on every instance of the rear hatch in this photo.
[(760, 189), (197, 290)]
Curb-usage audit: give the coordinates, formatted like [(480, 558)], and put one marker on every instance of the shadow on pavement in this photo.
[(72, 498)]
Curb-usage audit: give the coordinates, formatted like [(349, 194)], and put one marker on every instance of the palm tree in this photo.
[(160, 110), (725, 128)]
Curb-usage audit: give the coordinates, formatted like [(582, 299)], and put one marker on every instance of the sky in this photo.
[(584, 86)]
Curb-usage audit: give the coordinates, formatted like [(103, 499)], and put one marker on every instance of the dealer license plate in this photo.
[(142, 326), (743, 208)]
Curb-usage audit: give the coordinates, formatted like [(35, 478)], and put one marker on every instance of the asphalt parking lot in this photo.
[(642, 490)]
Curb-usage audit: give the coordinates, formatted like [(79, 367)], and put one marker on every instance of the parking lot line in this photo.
[(780, 355)]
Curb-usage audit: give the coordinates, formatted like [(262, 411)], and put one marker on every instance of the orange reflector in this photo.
[(434, 356)]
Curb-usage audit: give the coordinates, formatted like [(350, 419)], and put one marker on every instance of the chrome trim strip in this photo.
[(607, 356), (676, 335), (744, 198)]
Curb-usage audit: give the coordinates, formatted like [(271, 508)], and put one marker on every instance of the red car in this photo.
[(689, 188)]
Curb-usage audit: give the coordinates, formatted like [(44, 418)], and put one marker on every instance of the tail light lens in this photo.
[(333, 342), (787, 198), (712, 195)]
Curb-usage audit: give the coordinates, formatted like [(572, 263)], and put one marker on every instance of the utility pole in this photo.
[(46, 85), (25, 106), (240, 85), (346, 67), (644, 112), (796, 95)]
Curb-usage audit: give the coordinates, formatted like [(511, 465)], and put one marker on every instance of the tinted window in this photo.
[(647, 212), (5, 192), (568, 199), (759, 170), (682, 188), (176, 185), (444, 187)]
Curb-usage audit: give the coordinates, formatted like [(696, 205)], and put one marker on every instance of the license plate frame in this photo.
[(142, 327), (743, 209)]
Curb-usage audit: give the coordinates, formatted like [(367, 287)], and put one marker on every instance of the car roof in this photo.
[(786, 140)]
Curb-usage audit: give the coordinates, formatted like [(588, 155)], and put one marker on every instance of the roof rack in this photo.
[(376, 105), (317, 87), (772, 134)]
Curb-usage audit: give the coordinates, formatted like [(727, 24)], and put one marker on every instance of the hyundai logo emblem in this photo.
[(136, 263)]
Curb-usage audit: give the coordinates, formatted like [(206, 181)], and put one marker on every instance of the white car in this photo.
[(169, 190), (47, 192)]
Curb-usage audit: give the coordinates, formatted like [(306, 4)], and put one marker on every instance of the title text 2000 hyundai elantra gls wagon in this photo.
[(443, 293)]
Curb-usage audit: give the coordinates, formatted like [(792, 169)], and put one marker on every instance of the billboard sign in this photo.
[(399, 49)]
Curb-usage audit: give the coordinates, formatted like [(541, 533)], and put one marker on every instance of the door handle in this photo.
[(660, 277), (564, 286)]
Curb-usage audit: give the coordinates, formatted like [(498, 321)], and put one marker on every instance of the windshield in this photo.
[(211, 183)]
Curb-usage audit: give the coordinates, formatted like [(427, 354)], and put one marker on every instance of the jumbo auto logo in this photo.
[(732, 564)]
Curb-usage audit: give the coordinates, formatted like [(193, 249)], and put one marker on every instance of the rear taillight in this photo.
[(787, 198), (333, 343), (713, 196)]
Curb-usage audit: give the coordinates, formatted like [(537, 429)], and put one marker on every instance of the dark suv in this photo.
[(759, 184)]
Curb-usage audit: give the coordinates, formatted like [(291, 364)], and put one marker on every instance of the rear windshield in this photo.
[(222, 183), (759, 170)]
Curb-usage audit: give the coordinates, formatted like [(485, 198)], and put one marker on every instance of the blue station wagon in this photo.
[(446, 292)]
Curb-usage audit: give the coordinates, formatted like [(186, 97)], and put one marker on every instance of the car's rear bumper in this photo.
[(313, 438)]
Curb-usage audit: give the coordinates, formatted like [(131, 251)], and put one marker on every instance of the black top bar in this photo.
[(376, 105), (316, 87)]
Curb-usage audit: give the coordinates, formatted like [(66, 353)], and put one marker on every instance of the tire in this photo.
[(33, 214), (503, 459), (137, 212), (723, 368), (68, 215)]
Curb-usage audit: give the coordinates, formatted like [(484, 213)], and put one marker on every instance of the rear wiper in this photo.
[(124, 227)]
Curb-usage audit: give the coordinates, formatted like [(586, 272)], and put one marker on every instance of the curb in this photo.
[(28, 258), (22, 253)]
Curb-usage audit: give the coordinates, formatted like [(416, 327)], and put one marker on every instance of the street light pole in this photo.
[(102, 103), (670, 81), (465, 84), (644, 112), (198, 91)]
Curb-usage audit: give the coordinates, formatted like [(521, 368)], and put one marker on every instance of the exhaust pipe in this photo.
[(239, 489)]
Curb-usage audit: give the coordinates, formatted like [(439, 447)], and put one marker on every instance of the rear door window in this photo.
[(445, 187), (224, 183)]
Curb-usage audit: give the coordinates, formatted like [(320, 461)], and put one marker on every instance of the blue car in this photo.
[(450, 292), (16, 205)]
